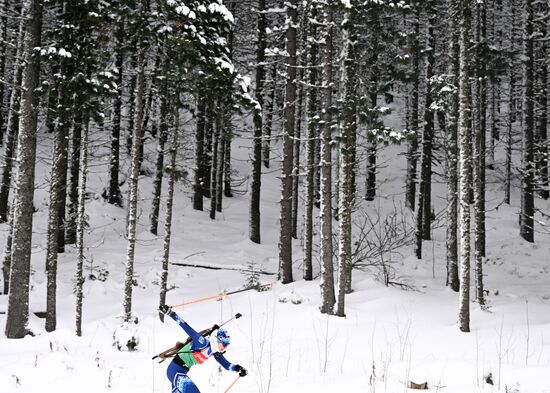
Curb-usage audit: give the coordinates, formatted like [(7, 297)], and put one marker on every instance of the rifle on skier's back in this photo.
[(171, 352)]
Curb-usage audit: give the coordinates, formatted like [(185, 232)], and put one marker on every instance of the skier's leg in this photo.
[(176, 374), (186, 385)]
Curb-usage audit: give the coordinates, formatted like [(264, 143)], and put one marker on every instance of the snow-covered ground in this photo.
[(390, 336)]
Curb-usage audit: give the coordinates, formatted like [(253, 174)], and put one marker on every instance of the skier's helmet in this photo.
[(223, 336)]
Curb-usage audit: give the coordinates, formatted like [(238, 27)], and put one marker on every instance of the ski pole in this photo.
[(230, 386), (203, 299), (221, 295)]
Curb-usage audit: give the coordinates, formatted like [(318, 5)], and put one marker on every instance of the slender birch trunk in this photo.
[(169, 209), (137, 139), (81, 227)]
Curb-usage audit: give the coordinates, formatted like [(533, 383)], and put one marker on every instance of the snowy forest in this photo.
[(358, 190)]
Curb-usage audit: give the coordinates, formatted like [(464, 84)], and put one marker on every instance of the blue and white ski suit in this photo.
[(197, 352)]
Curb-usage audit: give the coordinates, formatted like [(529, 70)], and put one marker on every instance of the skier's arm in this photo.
[(195, 336), (224, 362), (230, 366)]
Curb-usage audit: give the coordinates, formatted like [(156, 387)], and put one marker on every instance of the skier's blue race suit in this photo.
[(197, 352)]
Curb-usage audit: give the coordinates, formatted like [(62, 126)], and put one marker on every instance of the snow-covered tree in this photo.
[(18, 296)]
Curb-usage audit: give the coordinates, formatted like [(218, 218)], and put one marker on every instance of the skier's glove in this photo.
[(241, 370), (166, 310), (215, 327)]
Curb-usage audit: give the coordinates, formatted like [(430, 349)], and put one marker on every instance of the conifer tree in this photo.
[(285, 235), (328, 296), (254, 231), (465, 162), (347, 144), (526, 222), (18, 297)]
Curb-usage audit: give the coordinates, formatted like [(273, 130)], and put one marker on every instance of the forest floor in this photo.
[(391, 334)]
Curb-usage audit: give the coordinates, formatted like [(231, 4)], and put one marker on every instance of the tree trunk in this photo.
[(423, 213), (480, 151), (346, 160), (169, 209), (137, 139), (130, 127), (81, 224), (370, 183), (114, 196), (412, 152), (285, 235), (465, 180), (297, 146), (3, 52), (311, 104), (72, 212), (452, 154), (328, 297), (214, 161), (526, 223), (163, 135), (511, 106), (270, 107), (6, 259), (227, 176), (221, 164), (18, 297), (254, 223), (198, 187), (542, 103), (208, 148), (12, 128)]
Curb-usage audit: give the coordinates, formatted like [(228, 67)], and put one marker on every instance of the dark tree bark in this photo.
[(18, 297), (163, 135), (214, 162), (542, 102), (526, 223), (254, 223), (452, 153), (297, 150), (465, 182), (312, 137), (412, 152), (114, 196), (198, 186), (208, 148), (12, 128), (328, 296), (285, 235), (480, 150), (269, 109), (423, 211)]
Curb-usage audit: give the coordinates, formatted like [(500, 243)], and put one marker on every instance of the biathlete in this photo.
[(195, 352)]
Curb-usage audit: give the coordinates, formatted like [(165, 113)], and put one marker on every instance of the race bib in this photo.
[(200, 357)]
